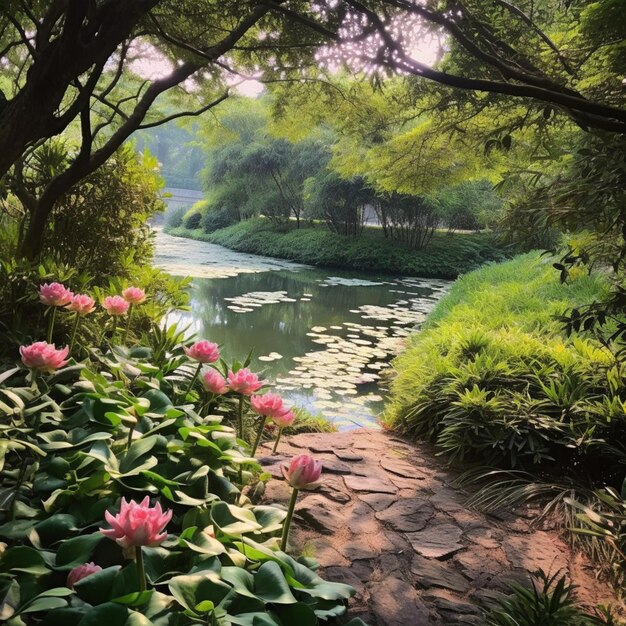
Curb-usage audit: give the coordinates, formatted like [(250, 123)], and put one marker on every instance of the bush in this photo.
[(446, 256), (492, 379), (550, 601), (136, 423), (216, 219), (174, 217), (192, 219)]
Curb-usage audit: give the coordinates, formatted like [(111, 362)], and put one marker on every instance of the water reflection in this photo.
[(323, 336), (324, 339)]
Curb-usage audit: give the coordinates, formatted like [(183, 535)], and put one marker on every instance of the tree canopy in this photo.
[(97, 68)]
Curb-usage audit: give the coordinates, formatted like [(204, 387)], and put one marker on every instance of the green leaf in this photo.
[(43, 604), (271, 518), (97, 588), (300, 613), (110, 614), (270, 585), (138, 449), (77, 551), (137, 619), (136, 598), (24, 559), (191, 589), (55, 528), (233, 520)]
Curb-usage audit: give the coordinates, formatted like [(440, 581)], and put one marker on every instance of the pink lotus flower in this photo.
[(203, 352), (137, 524), (134, 295), (54, 294), (284, 420), (81, 304), (80, 572), (115, 305), (304, 471), (268, 405), (244, 382), (43, 356), (214, 382)]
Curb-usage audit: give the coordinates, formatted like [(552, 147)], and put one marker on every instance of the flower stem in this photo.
[(258, 435), (287, 524), (240, 431), (74, 329), (130, 315), (114, 331), (141, 573), (240, 418), (280, 432), (51, 323), (193, 380)]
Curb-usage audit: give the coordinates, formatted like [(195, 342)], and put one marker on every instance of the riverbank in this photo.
[(493, 381), (447, 256)]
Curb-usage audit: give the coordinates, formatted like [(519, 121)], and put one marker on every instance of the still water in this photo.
[(324, 336)]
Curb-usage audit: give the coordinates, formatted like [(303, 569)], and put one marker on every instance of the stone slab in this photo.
[(436, 542), (369, 484)]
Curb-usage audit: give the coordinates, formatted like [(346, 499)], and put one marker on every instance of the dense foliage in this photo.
[(446, 257), (98, 238), (133, 423), (492, 378)]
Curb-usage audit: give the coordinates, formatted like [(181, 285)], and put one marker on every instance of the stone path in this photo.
[(387, 521)]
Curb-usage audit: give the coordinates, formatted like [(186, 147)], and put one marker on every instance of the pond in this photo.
[(324, 336)]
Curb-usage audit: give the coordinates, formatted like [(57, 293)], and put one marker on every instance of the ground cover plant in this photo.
[(495, 383), (447, 255), (129, 489)]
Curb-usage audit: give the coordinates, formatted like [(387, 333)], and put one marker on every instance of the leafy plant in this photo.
[(549, 601), (128, 424)]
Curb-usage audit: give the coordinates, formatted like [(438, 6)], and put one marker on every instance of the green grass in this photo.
[(447, 256), (491, 378)]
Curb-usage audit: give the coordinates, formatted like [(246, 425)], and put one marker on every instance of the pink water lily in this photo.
[(115, 305), (203, 352), (134, 295), (137, 524), (54, 294), (285, 419), (81, 304), (80, 572), (43, 356), (269, 405), (282, 421), (214, 382), (303, 471), (244, 381)]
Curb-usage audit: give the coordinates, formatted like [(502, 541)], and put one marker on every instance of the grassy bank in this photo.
[(446, 256), (492, 378)]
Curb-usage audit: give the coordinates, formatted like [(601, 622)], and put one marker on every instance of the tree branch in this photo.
[(175, 116)]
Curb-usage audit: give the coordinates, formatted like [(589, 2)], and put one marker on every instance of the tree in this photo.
[(68, 64), (340, 201), (72, 64)]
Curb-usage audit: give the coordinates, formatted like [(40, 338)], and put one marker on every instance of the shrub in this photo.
[(192, 219), (174, 217), (549, 601), (491, 378), (215, 219)]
